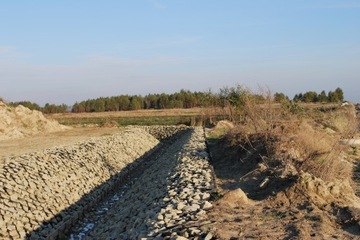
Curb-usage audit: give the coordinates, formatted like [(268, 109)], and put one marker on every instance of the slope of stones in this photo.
[(38, 191), (169, 200), (20, 122), (162, 132)]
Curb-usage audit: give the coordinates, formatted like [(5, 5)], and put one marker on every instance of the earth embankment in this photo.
[(39, 190), (169, 200)]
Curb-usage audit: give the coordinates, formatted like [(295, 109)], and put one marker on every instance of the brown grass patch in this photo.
[(133, 113), (300, 139)]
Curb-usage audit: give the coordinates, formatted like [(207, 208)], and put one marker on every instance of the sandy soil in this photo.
[(39, 142), (281, 210)]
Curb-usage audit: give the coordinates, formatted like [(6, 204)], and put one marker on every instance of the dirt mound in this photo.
[(224, 124), (235, 198), (220, 129), (111, 124), (20, 122)]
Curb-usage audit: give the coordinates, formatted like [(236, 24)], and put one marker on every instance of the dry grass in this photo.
[(302, 139), (191, 116), (134, 113), (315, 151), (137, 117)]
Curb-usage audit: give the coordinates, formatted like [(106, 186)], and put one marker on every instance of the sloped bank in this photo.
[(169, 200), (41, 190), (161, 132)]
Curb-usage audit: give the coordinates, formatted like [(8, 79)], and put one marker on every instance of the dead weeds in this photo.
[(294, 171)]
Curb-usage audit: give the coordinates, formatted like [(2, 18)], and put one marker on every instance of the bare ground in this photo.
[(42, 141), (280, 210)]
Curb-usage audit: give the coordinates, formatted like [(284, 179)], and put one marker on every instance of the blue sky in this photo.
[(67, 51)]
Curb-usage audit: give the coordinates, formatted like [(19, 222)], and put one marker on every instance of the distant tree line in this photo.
[(311, 96), (182, 99), (227, 96), (48, 108), (28, 104)]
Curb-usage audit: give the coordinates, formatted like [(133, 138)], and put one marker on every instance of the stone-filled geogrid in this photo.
[(41, 191), (170, 199)]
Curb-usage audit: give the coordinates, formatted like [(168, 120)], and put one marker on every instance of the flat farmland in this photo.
[(136, 117), (188, 116)]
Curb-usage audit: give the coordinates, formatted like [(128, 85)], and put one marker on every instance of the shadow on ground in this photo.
[(235, 172), (58, 227)]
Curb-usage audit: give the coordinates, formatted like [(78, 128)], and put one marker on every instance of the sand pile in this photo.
[(21, 122)]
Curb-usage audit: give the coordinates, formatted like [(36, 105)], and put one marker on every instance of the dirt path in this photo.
[(39, 142)]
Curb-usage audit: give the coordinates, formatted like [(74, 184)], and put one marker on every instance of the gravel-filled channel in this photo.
[(169, 199)]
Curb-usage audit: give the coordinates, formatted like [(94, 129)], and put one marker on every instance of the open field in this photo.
[(189, 116), (133, 113), (136, 117)]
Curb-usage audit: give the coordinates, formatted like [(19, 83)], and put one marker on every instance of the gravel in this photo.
[(41, 190), (44, 193), (170, 199)]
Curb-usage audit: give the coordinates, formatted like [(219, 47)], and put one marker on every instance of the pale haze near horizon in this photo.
[(70, 51)]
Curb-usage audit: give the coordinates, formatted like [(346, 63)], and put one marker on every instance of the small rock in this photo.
[(168, 218), (172, 193), (207, 205), (208, 236), (194, 231), (180, 238), (180, 206), (197, 197), (183, 196), (201, 213), (14, 197), (160, 217), (192, 208), (205, 196)]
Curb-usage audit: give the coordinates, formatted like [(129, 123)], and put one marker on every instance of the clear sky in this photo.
[(72, 50)]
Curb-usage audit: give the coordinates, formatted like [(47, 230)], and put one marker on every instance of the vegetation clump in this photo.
[(308, 138), (311, 96), (285, 159)]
